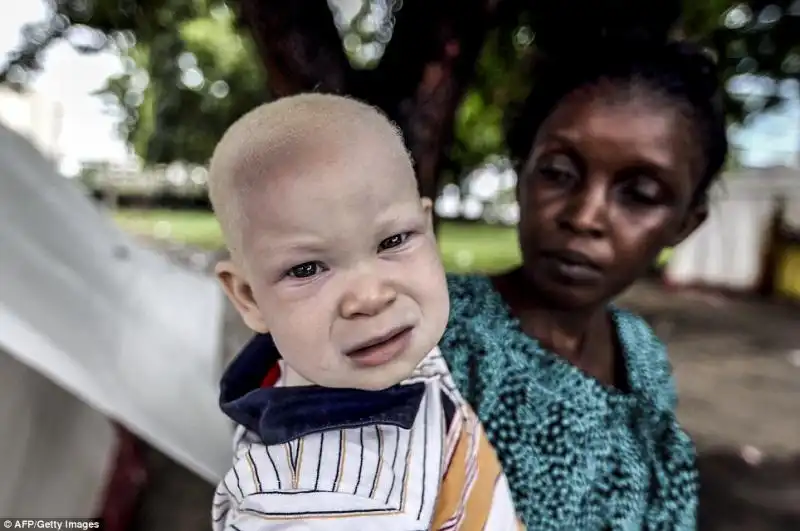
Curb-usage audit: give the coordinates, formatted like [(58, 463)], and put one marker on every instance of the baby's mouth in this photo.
[(381, 349)]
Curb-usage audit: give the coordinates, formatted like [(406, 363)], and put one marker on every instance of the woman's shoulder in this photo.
[(473, 301), (634, 327), (477, 321), (467, 286), (647, 358)]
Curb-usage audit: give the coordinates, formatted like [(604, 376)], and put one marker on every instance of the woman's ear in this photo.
[(240, 294), (691, 222)]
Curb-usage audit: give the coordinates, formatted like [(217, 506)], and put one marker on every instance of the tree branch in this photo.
[(27, 58), (424, 73), (298, 43)]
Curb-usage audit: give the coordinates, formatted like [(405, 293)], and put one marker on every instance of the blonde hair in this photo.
[(271, 134)]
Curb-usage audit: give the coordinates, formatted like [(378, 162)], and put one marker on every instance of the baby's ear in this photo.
[(240, 294), (427, 207)]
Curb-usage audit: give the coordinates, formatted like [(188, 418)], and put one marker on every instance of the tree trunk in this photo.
[(419, 82), (298, 44)]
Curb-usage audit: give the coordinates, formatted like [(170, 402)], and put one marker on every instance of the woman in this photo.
[(620, 149)]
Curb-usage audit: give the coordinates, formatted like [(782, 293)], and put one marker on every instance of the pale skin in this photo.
[(338, 251)]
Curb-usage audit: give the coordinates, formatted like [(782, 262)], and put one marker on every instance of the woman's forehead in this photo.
[(627, 127), (616, 134), (638, 126)]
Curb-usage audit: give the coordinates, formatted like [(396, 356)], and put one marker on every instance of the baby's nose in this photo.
[(367, 298)]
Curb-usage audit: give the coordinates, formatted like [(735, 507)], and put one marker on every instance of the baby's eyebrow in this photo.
[(395, 215), (280, 248), (298, 246)]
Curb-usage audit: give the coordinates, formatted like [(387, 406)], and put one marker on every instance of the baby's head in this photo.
[(332, 248)]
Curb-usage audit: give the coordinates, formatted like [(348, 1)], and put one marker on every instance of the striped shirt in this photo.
[(439, 474)]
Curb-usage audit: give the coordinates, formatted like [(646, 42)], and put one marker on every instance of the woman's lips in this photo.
[(572, 267)]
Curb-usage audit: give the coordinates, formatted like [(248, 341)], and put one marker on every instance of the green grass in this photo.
[(468, 247), (198, 229), (465, 247)]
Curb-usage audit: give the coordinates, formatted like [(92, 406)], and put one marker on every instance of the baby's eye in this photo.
[(306, 270), (394, 241)]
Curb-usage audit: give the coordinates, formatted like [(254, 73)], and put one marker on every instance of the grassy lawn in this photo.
[(468, 247), (465, 247), (198, 229)]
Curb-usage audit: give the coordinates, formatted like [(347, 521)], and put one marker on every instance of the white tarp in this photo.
[(120, 327), (728, 250), (56, 453)]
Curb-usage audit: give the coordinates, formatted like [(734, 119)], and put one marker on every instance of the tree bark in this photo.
[(434, 48), (298, 44), (418, 83)]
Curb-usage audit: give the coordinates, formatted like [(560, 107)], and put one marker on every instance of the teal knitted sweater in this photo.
[(578, 455)]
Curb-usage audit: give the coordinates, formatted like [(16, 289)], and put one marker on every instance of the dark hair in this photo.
[(678, 71)]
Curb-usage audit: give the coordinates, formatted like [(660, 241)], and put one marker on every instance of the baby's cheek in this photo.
[(288, 321), (432, 269), (431, 292)]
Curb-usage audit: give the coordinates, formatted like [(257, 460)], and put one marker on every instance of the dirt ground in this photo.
[(737, 366)]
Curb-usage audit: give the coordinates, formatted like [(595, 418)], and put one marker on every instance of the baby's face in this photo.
[(343, 266)]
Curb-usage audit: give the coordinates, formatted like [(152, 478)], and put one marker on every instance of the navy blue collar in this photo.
[(281, 414)]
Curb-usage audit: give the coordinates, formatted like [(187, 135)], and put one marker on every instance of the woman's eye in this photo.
[(306, 270), (557, 176), (646, 191), (394, 241)]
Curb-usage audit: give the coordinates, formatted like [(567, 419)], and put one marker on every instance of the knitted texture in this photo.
[(578, 455)]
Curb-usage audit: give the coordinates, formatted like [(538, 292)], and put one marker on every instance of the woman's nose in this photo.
[(586, 211)]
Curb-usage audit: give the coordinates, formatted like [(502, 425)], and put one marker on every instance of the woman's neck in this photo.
[(563, 331)]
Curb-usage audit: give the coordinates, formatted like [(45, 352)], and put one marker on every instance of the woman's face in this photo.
[(609, 183)]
